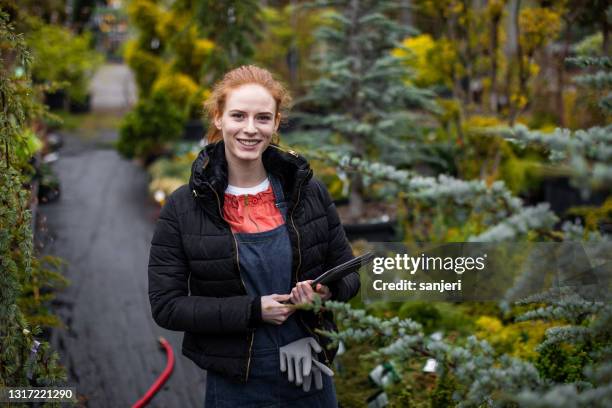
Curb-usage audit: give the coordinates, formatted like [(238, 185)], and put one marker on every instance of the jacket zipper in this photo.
[(327, 361), (252, 334), (300, 264)]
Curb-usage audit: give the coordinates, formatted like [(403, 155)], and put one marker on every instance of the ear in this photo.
[(217, 122)]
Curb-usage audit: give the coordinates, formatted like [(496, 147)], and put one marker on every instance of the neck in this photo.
[(246, 174)]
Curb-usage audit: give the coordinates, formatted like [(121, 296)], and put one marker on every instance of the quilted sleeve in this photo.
[(339, 250), (172, 306)]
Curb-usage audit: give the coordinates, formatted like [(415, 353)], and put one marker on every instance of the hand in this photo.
[(317, 370), (303, 292), (323, 291), (296, 358), (274, 312)]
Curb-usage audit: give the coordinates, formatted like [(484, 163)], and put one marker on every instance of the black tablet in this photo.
[(340, 271)]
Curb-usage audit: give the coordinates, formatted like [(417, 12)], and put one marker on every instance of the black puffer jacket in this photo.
[(194, 276)]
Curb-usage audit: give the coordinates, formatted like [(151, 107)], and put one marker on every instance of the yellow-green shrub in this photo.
[(146, 65), (145, 14), (517, 339), (434, 61), (182, 91)]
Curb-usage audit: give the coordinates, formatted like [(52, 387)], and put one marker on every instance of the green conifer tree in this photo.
[(235, 27), (363, 92)]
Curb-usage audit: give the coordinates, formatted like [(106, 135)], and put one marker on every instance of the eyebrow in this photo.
[(258, 113)]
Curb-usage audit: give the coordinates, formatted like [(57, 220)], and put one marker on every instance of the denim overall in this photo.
[(265, 267)]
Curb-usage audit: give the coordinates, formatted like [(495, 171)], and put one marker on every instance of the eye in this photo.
[(265, 118), (237, 115)]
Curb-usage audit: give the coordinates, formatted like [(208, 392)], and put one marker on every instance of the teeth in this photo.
[(248, 142)]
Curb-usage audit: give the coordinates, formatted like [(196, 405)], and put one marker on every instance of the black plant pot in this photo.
[(49, 188), (48, 194), (377, 231), (373, 232), (194, 130), (56, 100), (81, 107), (562, 195)]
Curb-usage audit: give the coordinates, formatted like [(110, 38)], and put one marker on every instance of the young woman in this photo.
[(239, 243)]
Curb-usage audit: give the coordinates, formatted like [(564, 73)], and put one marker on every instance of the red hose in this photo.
[(162, 378)]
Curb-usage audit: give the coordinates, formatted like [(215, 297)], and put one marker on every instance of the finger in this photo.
[(282, 313), (302, 292), (275, 306), (323, 368), (306, 365), (306, 287), (283, 362), (280, 309), (302, 288), (298, 372), (318, 378), (324, 292), (315, 345), (303, 295), (278, 297), (307, 382), (309, 292), (290, 368), (296, 295)]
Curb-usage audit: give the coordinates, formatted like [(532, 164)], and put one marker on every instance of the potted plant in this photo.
[(152, 124), (66, 60), (183, 91)]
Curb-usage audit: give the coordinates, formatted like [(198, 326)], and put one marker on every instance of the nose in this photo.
[(250, 128)]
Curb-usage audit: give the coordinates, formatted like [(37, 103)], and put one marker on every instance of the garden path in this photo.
[(113, 88), (102, 227)]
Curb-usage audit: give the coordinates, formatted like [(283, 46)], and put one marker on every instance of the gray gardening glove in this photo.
[(317, 370), (296, 358)]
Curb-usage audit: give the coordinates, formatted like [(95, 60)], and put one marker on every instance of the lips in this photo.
[(248, 142)]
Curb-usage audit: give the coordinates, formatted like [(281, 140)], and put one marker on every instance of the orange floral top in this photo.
[(251, 213)]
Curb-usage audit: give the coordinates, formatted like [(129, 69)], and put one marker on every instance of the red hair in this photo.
[(246, 74)]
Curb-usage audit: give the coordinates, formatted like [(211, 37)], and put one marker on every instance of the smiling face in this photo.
[(248, 122)]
